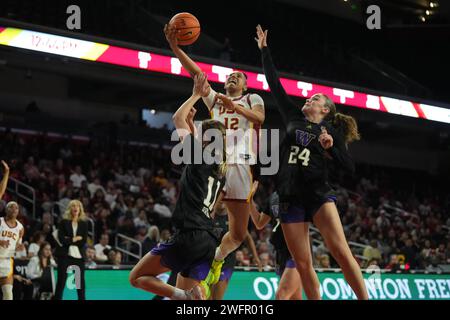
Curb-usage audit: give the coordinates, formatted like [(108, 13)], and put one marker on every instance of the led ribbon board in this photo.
[(99, 52)]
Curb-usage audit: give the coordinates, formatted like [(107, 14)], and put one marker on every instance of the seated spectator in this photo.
[(141, 219), (393, 264), (266, 262), (114, 258), (165, 235), (90, 258), (151, 240), (142, 234), (35, 245), (100, 248), (94, 186), (240, 259), (372, 251), (39, 271), (77, 177), (410, 253), (324, 261), (21, 252)]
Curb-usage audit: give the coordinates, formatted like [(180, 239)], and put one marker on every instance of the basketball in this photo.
[(188, 28)]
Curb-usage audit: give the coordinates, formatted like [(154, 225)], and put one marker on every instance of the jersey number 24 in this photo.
[(294, 156)]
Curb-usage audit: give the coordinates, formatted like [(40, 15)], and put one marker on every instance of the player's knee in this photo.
[(282, 294), (238, 238), (7, 291), (304, 264), (340, 254), (133, 279)]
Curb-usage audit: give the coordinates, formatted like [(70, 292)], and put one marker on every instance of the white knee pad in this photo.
[(7, 291)]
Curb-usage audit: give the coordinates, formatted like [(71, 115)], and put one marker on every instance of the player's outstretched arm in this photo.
[(285, 105), (5, 178), (185, 60), (183, 118)]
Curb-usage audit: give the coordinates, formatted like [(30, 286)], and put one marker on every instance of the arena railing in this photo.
[(29, 196), (127, 250)]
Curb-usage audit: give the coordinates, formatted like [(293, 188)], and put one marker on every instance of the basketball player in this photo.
[(11, 234), (240, 113), (221, 223), (290, 285), (312, 134), (190, 250)]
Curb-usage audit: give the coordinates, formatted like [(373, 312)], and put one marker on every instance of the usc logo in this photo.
[(9, 234)]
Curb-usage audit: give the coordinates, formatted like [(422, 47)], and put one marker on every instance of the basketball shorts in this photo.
[(239, 181), (189, 252), (6, 267)]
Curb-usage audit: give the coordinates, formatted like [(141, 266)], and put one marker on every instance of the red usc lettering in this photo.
[(9, 234), (223, 110)]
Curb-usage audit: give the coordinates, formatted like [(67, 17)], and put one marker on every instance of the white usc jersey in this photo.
[(242, 135), (11, 234)]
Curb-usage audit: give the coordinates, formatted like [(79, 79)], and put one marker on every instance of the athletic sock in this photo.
[(219, 256), (179, 294)]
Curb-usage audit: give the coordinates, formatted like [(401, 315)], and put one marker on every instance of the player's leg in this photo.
[(289, 285), (329, 224), (219, 290), (144, 274), (297, 239), (238, 216), (6, 278)]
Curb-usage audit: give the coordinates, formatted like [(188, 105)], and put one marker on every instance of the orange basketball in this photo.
[(188, 28)]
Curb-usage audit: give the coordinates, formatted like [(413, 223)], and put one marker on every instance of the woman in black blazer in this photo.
[(72, 235)]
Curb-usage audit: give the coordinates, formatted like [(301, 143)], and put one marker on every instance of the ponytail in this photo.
[(341, 121)]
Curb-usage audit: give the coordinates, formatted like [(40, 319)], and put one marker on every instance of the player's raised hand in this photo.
[(171, 35), (226, 102), (5, 166), (261, 37), (325, 139), (201, 85)]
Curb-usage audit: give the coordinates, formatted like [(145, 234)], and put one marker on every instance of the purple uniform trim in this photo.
[(226, 274), (295, 214)]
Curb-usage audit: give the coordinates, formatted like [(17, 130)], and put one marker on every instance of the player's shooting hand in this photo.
[(226, 102), (325, 139), (171, 35), (261, 37), (201, 85), (5, 166)]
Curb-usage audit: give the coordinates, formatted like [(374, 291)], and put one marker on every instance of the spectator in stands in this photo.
[(142, 234), (240, 260), (324, 261), (39, 270), (141, 219), (100, 248), (165, 235), (372, 251), (94, 186), (410, 253), (151, 240), (266, 263), (35, 245), (77, 177), (393, 264), (90, 258)]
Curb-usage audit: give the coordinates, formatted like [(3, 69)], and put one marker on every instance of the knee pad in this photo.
[(7, 291)]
